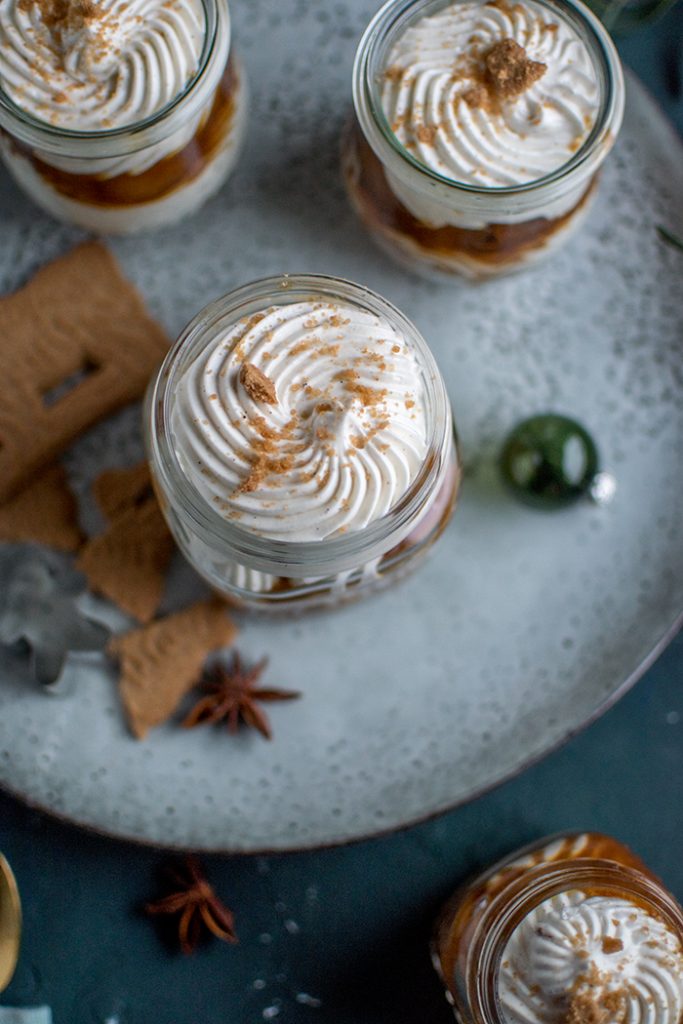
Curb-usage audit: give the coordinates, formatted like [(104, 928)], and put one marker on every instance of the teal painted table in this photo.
[(340, 936)]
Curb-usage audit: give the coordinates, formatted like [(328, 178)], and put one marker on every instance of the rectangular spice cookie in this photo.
[(76, 343)]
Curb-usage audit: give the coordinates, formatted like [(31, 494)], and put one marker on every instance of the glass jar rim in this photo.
[(527, 891), (24, 126), (254, 548), (378, 131)]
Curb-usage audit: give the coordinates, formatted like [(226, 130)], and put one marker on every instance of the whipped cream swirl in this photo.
[(98, 64), (592, 949), (343, 441), (432, 94)]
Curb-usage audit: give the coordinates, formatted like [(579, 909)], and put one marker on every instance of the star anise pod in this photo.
[(231, 696), (197, 905)]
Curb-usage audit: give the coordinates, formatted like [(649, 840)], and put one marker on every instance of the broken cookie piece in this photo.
[(161, 662), (116, 490), (43, 512), (259, 387), (78, 344), (128, 562), (509, 70)]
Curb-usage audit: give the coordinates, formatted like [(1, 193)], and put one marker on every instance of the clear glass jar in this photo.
[(147, 174), (476, 925), (438, 226), (255, 571)]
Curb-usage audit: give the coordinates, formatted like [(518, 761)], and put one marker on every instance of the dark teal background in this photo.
[(340, 936)]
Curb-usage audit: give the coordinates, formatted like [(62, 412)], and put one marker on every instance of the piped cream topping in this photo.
[(98, 64), (578, 958), (304, 421), (491, 93)]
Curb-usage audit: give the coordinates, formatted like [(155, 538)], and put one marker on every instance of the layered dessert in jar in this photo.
[(119, 116), (302, 444), (572, 930), (480, 127)]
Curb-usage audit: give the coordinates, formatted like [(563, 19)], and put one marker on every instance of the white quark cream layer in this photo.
[(137, 217), (433, 99), (578, 950), (339, 447), (98, 64)]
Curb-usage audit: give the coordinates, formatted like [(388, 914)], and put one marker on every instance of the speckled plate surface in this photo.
[(526, 625)]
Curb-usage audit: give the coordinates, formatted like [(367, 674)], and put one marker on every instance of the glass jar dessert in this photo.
[(119, 117), (480, 127), (302, 444), (572, 930)]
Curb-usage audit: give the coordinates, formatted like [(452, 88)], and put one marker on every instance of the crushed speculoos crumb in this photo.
[(301, 346), (584, 1009), (394, 73), (588, 1007), (590, 1002), (611, 945), (476, 96), (367, 396), (256, 476), (330, 349), (257, 385), (509, 70), (427, 133), (61, 15), (266, 460)]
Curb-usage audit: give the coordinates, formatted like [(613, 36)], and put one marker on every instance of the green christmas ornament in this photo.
[(550, 461)]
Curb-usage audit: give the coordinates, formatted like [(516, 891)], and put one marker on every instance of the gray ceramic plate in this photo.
[(524, 626)]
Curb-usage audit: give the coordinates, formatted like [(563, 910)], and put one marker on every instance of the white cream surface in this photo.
[(438, 60), (574, 945), (342, 444), (98, 64)]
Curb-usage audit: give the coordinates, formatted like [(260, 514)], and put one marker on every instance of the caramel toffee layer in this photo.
[(163, 178), (494, 244)]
